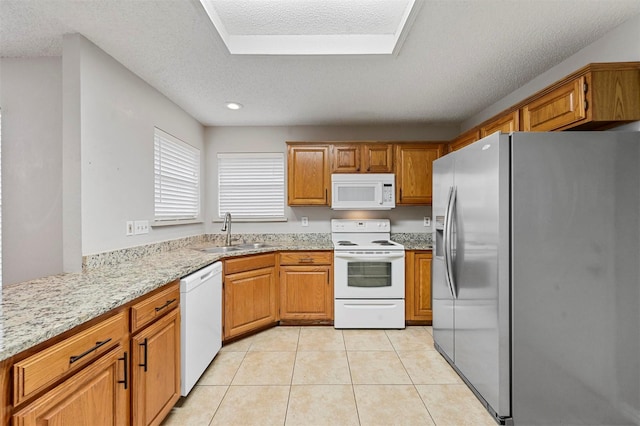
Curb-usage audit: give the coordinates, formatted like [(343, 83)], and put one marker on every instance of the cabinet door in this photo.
[(561, 107), (377, 158), (414, 172), (464, 140), (345, 158), (505, 124), (418, 288), (249, 301), (96, 395), (155, 358), (308, 179), (306, 293)]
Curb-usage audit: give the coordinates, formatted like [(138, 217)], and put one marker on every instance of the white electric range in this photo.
[(368, 275)]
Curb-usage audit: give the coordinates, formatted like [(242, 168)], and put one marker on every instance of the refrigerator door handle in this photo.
[(448, 258)]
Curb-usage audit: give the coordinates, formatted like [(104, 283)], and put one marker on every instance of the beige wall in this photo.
[(273, 139), (31, 101)]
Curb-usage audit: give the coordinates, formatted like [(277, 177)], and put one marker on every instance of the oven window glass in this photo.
[(369, 274)]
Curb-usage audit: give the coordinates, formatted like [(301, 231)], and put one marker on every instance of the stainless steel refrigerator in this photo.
[(536, 275)]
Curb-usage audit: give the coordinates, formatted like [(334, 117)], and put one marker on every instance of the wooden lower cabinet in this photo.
[(155, 375), (418, 287), (121, 369), (96, 395), (250, 296), (306, 287)]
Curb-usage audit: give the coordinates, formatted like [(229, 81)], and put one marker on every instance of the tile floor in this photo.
[(323, 376)]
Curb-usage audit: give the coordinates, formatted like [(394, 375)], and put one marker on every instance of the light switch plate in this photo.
[(130, 227)]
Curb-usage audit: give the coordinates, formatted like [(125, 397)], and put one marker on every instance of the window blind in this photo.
[(177, 178), (251, 185)]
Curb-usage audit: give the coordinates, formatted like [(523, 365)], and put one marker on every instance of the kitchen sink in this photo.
[(220, 249), (244, 246), (254, 245)]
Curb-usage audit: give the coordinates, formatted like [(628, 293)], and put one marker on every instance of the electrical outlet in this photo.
[(141, 227), (427, 221), (130, 227), (304, 220)]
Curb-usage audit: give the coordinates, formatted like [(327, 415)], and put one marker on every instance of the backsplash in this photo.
[(111, 258)]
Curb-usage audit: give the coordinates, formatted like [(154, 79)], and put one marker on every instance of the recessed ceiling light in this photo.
[(233, 105), (312, 27)]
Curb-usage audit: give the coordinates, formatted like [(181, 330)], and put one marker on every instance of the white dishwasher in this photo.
[(200, 323)]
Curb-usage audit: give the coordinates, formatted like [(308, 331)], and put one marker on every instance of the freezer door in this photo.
[(442, 298), (481, 269), (576, 279)]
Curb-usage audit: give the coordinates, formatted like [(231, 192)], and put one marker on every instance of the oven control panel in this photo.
[(363, 225)]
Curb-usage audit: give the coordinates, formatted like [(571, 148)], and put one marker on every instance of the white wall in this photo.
[(619, 45), (31, 102), (273, 139), (117, 115)]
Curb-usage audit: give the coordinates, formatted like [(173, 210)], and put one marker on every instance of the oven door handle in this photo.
[(393, 255)]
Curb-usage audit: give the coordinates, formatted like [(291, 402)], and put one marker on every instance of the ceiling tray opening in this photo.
[(312, 27)]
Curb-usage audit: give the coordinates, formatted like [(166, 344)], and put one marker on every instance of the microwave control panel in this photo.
[(387, 193)]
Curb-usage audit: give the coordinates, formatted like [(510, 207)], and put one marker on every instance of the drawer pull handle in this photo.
[(144, 358), (125, 381), (306, 260), (88, 351), (165, 305)]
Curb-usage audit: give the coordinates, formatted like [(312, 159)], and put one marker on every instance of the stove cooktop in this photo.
[(367, 245)]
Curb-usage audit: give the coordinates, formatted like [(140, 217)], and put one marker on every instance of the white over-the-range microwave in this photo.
[(363, 191)]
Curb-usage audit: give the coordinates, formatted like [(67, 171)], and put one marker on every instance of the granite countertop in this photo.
[(34, 311)]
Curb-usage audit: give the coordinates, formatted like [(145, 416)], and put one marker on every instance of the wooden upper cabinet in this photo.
[(464, 140), (597, 99), (563, 106), (377, 158), (309, 178), (345, 158), (362, 158), (506, 124), (414, 171)]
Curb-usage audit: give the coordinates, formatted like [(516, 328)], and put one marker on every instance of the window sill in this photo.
[(248, 219), (161, 223)]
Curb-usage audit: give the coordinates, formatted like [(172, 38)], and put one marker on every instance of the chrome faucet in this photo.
[(226, 226)]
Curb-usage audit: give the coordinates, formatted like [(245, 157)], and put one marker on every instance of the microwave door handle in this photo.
[(380, 193)]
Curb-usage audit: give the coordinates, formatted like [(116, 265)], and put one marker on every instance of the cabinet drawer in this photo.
[(249, 263), (155, 306), (306, 258), (39, 370)]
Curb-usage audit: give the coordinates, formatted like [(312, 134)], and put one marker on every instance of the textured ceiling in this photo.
[(310, 17), (458, 58)]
